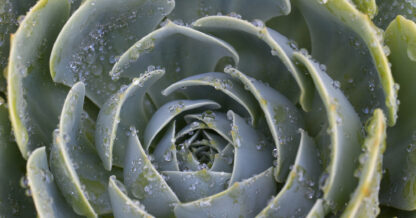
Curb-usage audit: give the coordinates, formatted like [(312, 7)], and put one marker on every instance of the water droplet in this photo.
[(336, 84), (274, 52), (258, 23), (411, 147), (28, 192), (275, 153), (235, 15), (309, 194), (205, 203), (148, 189), (24, 182), (192, 187), (293, 45), (168, 156), (411, 53), (322, 179)]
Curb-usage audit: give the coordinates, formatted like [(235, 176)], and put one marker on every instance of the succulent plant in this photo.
[(195, 108)]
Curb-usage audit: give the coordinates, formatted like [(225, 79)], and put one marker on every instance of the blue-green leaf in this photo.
[(123, 110), (399, 161), (95, 35), (191, 186), (35, 101), (145, 183), (298, 195), (236, 201), (252, 153), (123, 206), (46, 195), (169, 111)]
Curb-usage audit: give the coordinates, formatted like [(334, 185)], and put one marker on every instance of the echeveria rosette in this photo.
[(162, 108)]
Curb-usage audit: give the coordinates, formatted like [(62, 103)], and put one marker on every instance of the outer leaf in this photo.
[(283, 119), (388, 10), (48, 200), (252, 153), (10, 10), (317, 210), (172, 47), (191, 186), (99, 31), (13, 201), (189, 10), (344, 128), (123, 206), (398, 184), (341, 32), (257, 47), (388, 212), (299, 193), (123, 110), (35, 101), (169, 111), (75, 4), (145, 183), (364, 201), (284, 25), (78, 170), (368, 7), (236, 201)]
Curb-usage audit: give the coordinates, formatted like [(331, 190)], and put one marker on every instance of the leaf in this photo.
[(145, 183), (236, 201), (10, 12), (388, 10), (48, 199), (264, 54), (78, 171), (191, 186), (368, 7), (223, 161), (216, 121), (172, 47), (169, 111), (75, 4), (13, 201), (399, 160), (223, 83), (301, 189), (123, 110), (35, 101), (340, 32), (189, 10), (165, 151), (317, 210), (123, 206), (283, 119), (364, 201), (190, 128), (252, 153), (215, 140), (344, 137), (187, 160), (284, 25), (388, 212), (99, 31)]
